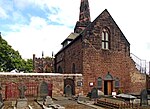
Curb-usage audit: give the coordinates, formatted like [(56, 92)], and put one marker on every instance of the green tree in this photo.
[(28, 66), (11, 59)]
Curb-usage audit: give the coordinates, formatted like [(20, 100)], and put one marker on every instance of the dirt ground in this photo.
[(68, 104)]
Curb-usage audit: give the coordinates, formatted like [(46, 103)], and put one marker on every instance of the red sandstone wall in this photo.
[(94, 62), (97, 62), (68, 56), (57, 82)]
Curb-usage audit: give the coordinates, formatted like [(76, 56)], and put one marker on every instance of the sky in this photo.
[(36, 26)]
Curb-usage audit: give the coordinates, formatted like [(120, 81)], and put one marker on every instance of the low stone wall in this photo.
[(55, 79)]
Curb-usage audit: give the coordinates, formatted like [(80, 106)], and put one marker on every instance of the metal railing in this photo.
[(140, 64)]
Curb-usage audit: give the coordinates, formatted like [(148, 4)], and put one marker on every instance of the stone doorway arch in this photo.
[(108, 84), (69, 87), (68, 91)]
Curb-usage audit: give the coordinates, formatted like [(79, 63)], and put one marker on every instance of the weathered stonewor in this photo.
[(48, 101), (1, 101), (10, 82), (22, 103), (101, 50)]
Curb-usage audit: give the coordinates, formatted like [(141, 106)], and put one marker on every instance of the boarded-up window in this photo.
[(99, 83), (117, 84)]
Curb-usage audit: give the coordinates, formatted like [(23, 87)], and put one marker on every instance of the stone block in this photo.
[(21, 103)]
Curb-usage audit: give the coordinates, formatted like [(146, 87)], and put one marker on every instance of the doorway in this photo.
[(108, 88), (69, 87), (108, 84)]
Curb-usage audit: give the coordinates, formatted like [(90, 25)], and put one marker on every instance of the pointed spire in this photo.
[(52, 54), (84, 17), (42, 54), (84, 11)]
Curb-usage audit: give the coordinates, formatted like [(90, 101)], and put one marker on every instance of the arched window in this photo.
[(73, 68), (105, 39), (60, 69), (99, 83), (117, 84)]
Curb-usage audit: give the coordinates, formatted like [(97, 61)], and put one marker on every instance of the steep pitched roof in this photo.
[(104, 13)]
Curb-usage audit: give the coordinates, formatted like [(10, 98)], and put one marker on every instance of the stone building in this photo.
[(100, 51), (38, 84), (43, 65)]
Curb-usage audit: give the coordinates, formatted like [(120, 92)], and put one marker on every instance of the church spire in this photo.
[(84, 17)]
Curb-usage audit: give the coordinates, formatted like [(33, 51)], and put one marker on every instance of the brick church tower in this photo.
[(84, 17)]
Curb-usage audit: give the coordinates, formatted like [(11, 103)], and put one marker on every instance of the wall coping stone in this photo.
[(38, 74)]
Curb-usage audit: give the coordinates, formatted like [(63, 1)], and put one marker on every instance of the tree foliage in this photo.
[(11, 59)]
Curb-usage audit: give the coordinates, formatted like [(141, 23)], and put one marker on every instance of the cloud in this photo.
[(3, 14), (60, 11), (22, 4), (36, 37), (6, 6), (32, 32)]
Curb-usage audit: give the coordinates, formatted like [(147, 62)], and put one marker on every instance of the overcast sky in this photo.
[(33, 26)]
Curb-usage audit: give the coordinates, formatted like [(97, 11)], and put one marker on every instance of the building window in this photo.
[(99, 83), (60, 69), (105, 39), (117, 84), (73, 68)]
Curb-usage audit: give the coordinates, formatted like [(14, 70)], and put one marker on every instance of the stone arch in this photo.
[(60, 70), (108, 84), (108, 77), (105, 38), (117, 82), (69, 87), (99, 82), (68, 90)]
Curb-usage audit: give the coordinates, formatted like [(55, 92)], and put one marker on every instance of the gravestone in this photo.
[(22, 101), (48, 101), (144, 98), (94, 93), (49, 104), (22, 88), (1, 101), (68, 91), (1, 98), (43, 91)]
